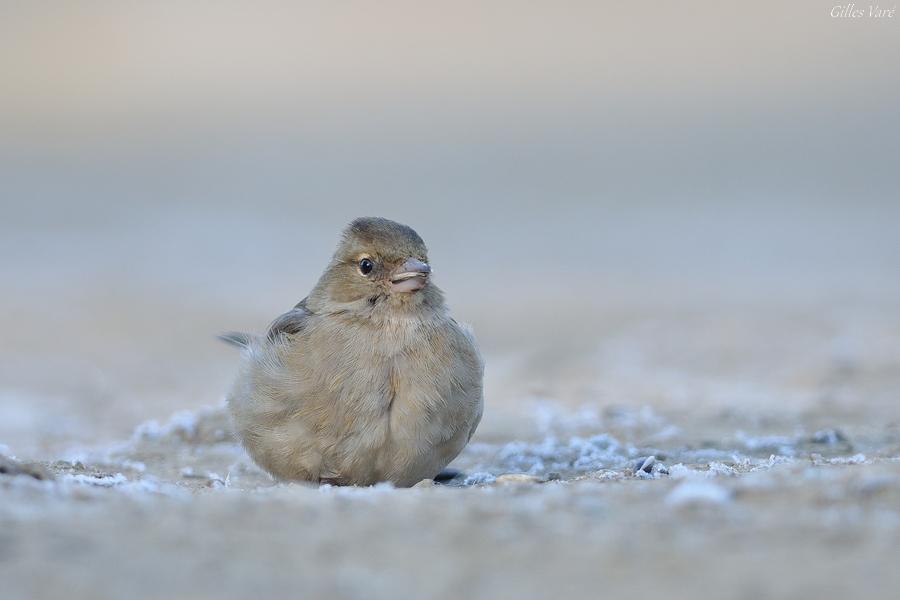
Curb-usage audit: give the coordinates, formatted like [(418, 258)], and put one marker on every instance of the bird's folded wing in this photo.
[(289, 323)]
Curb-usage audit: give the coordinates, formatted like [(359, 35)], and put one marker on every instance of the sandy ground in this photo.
[(179, 511), (788, 486)]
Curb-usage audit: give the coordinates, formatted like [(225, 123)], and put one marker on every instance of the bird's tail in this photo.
[(236, 338)]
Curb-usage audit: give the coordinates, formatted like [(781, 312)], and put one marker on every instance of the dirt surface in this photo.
[(621, 502)]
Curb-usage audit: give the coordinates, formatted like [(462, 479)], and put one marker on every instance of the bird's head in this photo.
[(379, 264)]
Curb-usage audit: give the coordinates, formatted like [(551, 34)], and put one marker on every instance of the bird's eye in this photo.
[(366, 266)]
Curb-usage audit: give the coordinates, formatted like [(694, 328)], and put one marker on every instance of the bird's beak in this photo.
[(410, 276)]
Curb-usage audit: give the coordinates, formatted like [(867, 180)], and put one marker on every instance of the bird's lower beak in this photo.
[(411, 276)]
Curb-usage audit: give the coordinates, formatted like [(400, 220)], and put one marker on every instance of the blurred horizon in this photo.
[(578, 170)]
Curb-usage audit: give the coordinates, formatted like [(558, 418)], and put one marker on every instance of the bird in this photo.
[(369, 378)]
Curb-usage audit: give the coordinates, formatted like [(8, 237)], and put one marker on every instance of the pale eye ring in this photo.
[(365, 266)]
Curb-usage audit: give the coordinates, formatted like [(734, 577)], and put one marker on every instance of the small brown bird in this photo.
[(368, 379)]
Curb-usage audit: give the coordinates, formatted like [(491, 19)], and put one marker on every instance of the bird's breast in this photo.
[(389, 397)]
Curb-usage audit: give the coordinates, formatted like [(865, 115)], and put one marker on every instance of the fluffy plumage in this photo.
[(367, 379)]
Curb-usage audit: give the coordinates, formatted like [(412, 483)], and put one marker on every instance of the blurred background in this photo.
[(688, 206)]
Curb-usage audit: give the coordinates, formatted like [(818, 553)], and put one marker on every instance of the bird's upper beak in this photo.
[(410, 276)]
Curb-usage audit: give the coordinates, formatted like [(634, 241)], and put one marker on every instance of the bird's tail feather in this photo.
[(236, 338)]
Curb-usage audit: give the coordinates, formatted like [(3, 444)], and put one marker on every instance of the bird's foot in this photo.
[(448, 475)]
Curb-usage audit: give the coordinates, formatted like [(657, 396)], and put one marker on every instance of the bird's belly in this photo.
[(398, 416), (407, 434)]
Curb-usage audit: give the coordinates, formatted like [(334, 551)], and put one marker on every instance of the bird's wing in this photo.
[(469, 348), (290, 323)]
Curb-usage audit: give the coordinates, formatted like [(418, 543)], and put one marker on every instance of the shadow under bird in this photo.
[(368, 378)]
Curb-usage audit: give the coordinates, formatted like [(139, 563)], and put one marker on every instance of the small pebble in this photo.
[(829, 437), (648, 468), (478, 479), (517, 479), (644, 464)]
